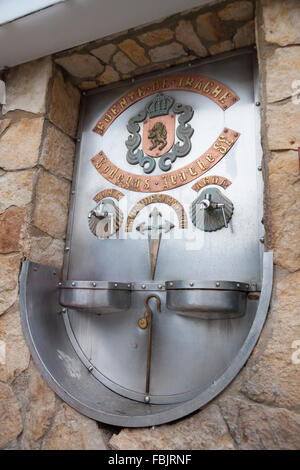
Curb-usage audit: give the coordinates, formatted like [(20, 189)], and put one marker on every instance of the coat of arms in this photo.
[(159, 118)]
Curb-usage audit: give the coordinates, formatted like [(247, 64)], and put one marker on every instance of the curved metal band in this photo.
[(70, 378)]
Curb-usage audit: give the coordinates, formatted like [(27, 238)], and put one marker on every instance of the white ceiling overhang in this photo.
[(74, 22)]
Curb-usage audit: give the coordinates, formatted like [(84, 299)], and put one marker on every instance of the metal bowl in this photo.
[(99, 297), (208, 300)]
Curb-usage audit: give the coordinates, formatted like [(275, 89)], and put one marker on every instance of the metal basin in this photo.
[(207, 299), (99, 297)]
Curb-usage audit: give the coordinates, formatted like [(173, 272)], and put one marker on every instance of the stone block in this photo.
[(58, 152), (27, 86), (51, 208), (19, 146)]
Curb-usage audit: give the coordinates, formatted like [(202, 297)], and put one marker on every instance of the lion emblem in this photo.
[(158, 136)]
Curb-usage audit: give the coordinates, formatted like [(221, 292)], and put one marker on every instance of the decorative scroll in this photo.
[(212, 89), (108, 193), (213, 179), (174, 179), (157, 198)]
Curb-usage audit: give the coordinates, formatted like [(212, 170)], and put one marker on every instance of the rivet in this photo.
[(35, 268), (90, 368), (189, 64), (54, 273), (73, 283), (147, 399), (235, 135), (94, 284), (143, 286), (191, 284), (64, 310), (225, 130), (237, 285), (67, 248), (78, 140), (257, 103), (128, 285), (262, 240), (225, 106), (116, 285), (259, 168), (156, 182), (217, 284), (59, 284), (159, 286), (171, 284)]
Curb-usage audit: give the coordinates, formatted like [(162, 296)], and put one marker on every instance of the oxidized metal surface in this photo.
[(202, 279), (206, 86), (174, 179), (208, 180)]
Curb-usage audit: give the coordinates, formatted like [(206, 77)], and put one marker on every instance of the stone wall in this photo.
[(260, 409), (37, 143), (193, 34)]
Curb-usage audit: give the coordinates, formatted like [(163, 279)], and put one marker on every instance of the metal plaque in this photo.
[(165, 286)]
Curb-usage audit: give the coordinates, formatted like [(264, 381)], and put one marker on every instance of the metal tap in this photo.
[(208, 204)]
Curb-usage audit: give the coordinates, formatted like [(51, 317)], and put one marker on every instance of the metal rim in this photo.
[(172, 413)]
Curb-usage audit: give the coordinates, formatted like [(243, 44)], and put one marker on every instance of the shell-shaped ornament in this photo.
[(105, 219), (209, 209)]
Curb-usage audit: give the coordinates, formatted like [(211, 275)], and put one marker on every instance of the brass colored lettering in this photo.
[(222, 138), (201, 165), (220, 147), (166, 185), (192, 171), (120, 178), (223, 98), (198, 85), (164, 83), (173, 179), (209, 158), (189, 81), (114, 110), (206, 87), (216, 91), (131, 95), (123, 103), (106, 169), (182, 176), (107, 118), (100, 126), (136, 183), (128, 181), (141, 92), (146, 184), (113, 173)]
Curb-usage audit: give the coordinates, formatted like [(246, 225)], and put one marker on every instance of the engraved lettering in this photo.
[(206, 87)]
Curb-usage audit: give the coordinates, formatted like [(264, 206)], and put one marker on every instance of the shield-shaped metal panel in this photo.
[(158, 135)]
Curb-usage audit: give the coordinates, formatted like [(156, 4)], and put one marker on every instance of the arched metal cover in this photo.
[(162, 296)]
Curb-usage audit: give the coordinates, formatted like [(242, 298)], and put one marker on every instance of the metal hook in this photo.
[(143, 323)]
